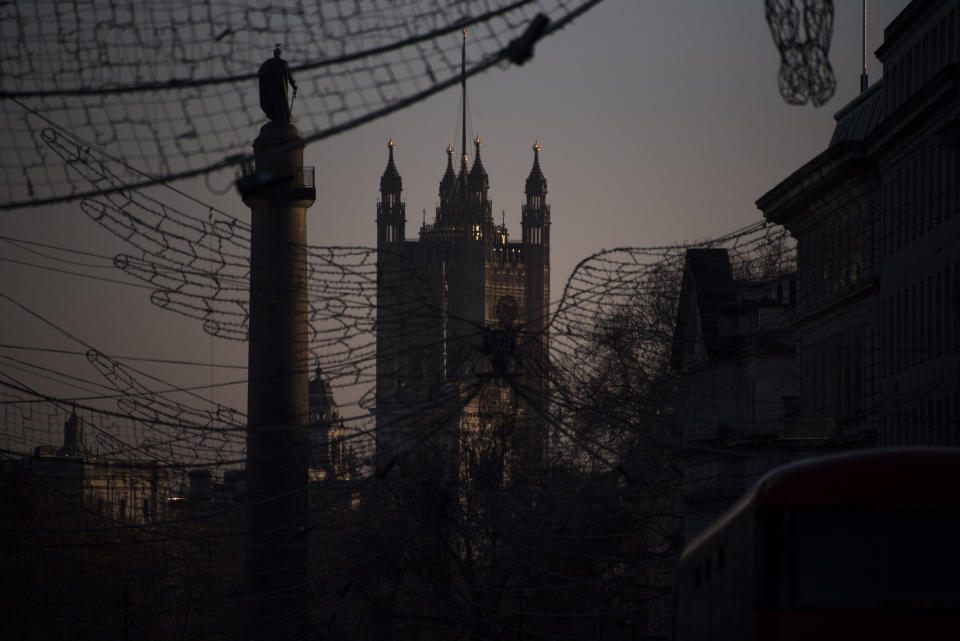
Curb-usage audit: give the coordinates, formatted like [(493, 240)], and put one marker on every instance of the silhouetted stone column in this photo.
[(278, 191)]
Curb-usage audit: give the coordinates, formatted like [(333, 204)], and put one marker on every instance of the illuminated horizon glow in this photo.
[(659, 124)]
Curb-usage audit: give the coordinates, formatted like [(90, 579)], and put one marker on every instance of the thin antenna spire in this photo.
[(864, 81), (463, 131), (463, 94)]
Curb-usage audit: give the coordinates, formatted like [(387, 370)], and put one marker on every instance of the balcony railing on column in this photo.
[(254, 183)]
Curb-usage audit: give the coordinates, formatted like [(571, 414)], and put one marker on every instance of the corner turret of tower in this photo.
[(478, 180), (448, 184), (536, 183), (391, 211), (390, 182)]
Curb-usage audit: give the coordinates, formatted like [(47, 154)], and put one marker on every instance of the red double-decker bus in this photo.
[(864, 545)]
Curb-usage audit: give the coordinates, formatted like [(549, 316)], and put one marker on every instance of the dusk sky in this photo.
[(660, 122)]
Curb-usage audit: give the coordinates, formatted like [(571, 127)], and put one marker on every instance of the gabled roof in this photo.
[(707, 288)]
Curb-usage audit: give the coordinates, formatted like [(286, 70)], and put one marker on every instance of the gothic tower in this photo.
[(462, 347), (391, 226)]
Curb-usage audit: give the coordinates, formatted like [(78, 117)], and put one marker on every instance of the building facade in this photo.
[(134, 492), (876, 217), (735, 362), (462, 328)]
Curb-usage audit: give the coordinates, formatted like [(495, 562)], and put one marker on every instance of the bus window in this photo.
[(859, 559)]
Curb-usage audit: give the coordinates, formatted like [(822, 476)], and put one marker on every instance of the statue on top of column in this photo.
[(274, 75)]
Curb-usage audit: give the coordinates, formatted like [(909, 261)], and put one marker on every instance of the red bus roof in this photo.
[(883, 478), (924, 478)]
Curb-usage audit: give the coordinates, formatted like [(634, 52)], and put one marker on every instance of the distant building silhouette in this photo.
[(462, 328), (72, 438), (96, 548), (877, 221), (127, 491), (329, 457)]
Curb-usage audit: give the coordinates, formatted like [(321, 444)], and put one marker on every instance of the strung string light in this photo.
[(171, 89)]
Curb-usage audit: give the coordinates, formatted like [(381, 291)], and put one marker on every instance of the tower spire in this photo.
[(448, 184), (463, 95), (536, 183), (478, 181), (391, 182)]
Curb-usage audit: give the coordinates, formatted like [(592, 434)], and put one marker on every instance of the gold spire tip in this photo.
[(391, 144), (477, 141), (536, 145)]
